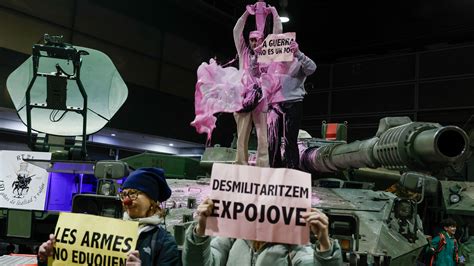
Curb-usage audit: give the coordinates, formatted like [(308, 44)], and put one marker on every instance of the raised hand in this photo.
[(133, 259), (319, 224), (251, 9), (294, 47), (203, 211), (46, 249)]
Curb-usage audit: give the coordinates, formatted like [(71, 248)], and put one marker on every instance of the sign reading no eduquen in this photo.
[(276, 48), (263, 204), (83, 239)]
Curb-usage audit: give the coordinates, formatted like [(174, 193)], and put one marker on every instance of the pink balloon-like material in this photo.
[(218, 89), (221, 89)]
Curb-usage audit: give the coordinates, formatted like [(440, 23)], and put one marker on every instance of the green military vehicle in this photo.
[(385, 194)]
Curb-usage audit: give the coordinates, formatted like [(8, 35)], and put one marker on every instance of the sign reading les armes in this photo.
[(259, 203), (83, 239)]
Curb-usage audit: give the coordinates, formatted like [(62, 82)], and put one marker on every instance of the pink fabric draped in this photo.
[(260, 10), (218, 89), (279, 72), (221, 89), (272, 80)]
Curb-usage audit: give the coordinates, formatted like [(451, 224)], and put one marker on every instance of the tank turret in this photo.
[(371, 225), (399, 144)]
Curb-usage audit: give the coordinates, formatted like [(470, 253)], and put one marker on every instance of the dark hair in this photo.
[(448, 222)]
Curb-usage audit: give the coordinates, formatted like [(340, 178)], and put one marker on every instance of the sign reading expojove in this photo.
[(261, 204)]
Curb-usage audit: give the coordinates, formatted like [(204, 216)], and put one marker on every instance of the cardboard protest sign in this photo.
[(276, 48), (22, 184), (83, 239), (263, 204)]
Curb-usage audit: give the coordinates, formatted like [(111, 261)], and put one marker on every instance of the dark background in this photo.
[(375, 58)]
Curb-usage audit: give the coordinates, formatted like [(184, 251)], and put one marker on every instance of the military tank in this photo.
[(416, 157), (384, 194)]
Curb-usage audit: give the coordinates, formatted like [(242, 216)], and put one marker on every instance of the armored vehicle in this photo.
[(383, 195)]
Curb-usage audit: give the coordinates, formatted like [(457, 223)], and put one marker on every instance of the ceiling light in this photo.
[(171, 144), (283, 13), (113, 134)]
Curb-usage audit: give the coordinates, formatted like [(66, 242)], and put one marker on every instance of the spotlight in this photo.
[(283, 13), (284, 16)]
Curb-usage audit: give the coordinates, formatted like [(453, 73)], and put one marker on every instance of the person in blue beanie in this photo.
[(142, 192)]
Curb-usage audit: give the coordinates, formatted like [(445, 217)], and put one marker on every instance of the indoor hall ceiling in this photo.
[(335, 28), (327, 28)]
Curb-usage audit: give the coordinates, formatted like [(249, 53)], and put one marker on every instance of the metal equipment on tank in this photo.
[(62, 93)]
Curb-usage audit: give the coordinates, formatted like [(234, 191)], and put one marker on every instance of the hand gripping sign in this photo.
[(263, 204), (276, 48), (83, 239)]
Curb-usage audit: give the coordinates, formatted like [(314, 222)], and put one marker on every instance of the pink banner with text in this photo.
[(256, 203)]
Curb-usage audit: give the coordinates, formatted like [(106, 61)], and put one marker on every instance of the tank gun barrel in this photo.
[(399, 144)]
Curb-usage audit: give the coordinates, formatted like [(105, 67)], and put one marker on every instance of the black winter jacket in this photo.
[(158, 247)]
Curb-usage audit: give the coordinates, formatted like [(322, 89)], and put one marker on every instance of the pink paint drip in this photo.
[(272, 122), (261, 12), (221, 89), (218, 89)]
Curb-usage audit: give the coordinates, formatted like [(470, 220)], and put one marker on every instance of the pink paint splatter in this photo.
[(218, 89)]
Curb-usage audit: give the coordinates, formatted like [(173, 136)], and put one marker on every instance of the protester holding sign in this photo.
[(93, 240), (143, 190), (259, 203), (286, 109), (204, 250), (248, 63), (276, 48)]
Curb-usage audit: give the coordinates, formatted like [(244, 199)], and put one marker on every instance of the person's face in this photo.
[(136, 203), (451, 230), (254, 42)]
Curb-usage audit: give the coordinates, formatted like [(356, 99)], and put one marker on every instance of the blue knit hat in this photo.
[(151, 181)]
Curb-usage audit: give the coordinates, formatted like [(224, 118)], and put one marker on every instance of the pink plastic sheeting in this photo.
[(218, 89), (221, 89), (280, 73), (260, 10)]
